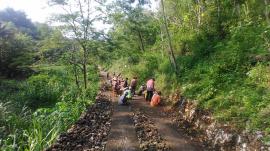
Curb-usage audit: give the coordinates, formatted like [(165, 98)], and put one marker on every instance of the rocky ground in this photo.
[(147, 133), (213, 135), (110, 127), (189, 130), (159, 118), (90, 132)]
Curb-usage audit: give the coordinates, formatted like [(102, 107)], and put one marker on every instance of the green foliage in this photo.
[(55, 102), (16, 51), (222, 49), (20, 20), (35, 94), (53, 46)]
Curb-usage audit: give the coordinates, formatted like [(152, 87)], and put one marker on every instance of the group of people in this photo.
[(126, 90), (122, 87)]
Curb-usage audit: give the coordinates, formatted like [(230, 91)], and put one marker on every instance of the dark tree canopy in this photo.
[(20, 20)]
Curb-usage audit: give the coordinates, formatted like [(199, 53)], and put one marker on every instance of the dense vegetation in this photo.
[(220, 48), (40, 96), (212, 51)]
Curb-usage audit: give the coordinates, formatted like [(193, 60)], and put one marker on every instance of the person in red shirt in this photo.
[(155, 99), (150, 87)]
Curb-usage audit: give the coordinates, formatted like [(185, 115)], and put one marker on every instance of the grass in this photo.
[(35, 111), (223, 76)]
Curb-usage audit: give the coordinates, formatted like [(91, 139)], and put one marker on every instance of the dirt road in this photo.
[(175, 139), (110, 127), (122, 136)]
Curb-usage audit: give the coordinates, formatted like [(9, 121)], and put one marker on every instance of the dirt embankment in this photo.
[(201, 125)]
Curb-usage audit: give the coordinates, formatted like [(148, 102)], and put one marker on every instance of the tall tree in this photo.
[(16, 50), (20, 20), (77, 20), (266, 2), (135, 24), (169, 39)]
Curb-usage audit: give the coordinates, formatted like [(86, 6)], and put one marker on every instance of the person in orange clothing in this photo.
[(155, 99)]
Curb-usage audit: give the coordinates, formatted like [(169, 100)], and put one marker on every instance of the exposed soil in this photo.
[(112, 127)]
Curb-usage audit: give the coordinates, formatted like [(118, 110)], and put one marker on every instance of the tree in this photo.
[(169, 39), (133, 25), (53, 46), (20, 20), (77, 20), (16, 50)]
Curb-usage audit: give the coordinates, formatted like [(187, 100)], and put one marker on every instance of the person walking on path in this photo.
[(133, 85), (150, 87)]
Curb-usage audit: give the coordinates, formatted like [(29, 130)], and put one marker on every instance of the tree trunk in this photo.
[(218, 9), (219, 19), (162, 42), (266, 2), (75, 70), (76, 75), (199, 13), (169, 39), (238, 9), (85, 75), (84, 67), (141, 40)]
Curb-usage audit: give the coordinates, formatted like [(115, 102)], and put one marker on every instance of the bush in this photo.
[(56, 103)]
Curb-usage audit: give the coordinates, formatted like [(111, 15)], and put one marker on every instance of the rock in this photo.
[(90, 131), (201, 125), (149, 138)]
